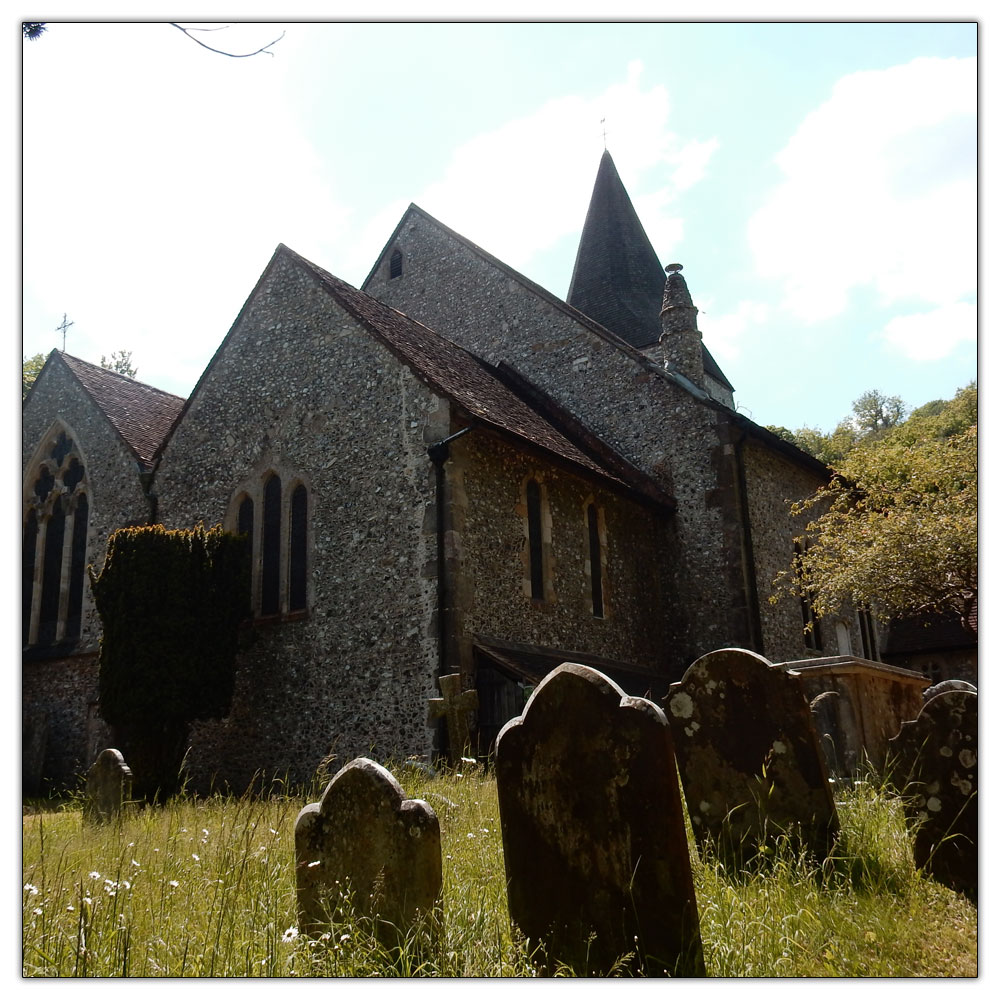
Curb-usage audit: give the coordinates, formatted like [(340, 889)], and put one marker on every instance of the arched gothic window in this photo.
[(54, 544), (278, 542)]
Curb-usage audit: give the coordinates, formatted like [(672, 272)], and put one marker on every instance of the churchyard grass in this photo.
[(206, 887)]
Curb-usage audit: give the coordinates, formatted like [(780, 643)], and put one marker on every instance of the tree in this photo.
[(121, 362), (30, 367), (32, 30), (875, 413), (170, 604), (896, 528)]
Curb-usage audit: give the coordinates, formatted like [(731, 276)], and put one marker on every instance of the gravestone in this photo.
[(367, 846), (34, 741), (109, 787), (934, 765), (595, 849), (454, 705), (749, 758), (952, 684)]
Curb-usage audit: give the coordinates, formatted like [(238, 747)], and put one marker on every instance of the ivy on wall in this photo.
[(170, 604)]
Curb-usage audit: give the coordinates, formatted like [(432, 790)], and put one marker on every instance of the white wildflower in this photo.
[(290, 934), (30, 889), (195, 856), (95, 874), (173, 883)]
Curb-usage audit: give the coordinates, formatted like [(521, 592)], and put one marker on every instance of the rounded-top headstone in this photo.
[(594, 843), (365, 844)]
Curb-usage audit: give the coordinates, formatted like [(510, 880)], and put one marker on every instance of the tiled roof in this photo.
[(464, 378), (617, 278), (142, 414)]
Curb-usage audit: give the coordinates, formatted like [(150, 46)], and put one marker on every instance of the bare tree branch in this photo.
[(223, 52)]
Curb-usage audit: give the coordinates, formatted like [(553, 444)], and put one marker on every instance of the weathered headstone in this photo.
[(952, 684), (454, 705), (593, 832), (109, 787), (366, 845), (34, 741), (749, 757), (934, 765)]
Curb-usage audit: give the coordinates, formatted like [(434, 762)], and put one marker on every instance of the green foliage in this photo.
[(170, 604), (30, 367), (896, 528), (873, 414), (207, 888), (121, 362)]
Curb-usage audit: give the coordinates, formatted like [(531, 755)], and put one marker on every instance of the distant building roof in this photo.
[(142, 414), (617, 279)]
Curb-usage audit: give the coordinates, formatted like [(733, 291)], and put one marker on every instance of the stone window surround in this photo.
[(588, 546), (253, 488), (548, 584), (43, 509)]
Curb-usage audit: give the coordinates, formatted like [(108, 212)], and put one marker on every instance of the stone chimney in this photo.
[(681, 338)]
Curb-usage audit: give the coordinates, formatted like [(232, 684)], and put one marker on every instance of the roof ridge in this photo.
[(115, 374)]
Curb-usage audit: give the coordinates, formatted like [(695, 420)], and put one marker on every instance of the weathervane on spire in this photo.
[(64, 326), (604, 132)]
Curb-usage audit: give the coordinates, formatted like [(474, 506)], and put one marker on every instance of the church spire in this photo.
[(617, 279)]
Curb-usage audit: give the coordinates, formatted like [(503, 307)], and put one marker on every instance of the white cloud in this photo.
[(878, 190), (519, 189), (933, 335), (725, 333), (155, 189)]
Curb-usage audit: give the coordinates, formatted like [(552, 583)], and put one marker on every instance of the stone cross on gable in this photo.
[(454, 705)]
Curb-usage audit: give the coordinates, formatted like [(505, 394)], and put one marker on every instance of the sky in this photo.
[(818, 181)]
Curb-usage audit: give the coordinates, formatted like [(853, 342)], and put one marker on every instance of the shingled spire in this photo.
[(617, 279)]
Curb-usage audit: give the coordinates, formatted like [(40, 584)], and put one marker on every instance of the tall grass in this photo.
[(206, 887)]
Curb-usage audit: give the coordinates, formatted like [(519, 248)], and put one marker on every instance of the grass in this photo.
[(206, 887)]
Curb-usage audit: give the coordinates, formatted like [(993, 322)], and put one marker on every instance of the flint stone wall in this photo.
[(488, 520), (684, 444), (299, 386)]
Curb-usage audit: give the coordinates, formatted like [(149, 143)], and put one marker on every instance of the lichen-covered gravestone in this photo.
[(366, 846), (594, 844), (934, 764), (109, 787), (749, 757)]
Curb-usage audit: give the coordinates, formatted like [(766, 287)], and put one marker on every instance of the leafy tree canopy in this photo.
[(30, 367), (896, 528), (121, 362), (872, 415)]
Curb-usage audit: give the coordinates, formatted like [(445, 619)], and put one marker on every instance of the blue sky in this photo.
[(818, 181)]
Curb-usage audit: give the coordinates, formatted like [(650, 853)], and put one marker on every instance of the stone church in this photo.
[(449, 469)]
